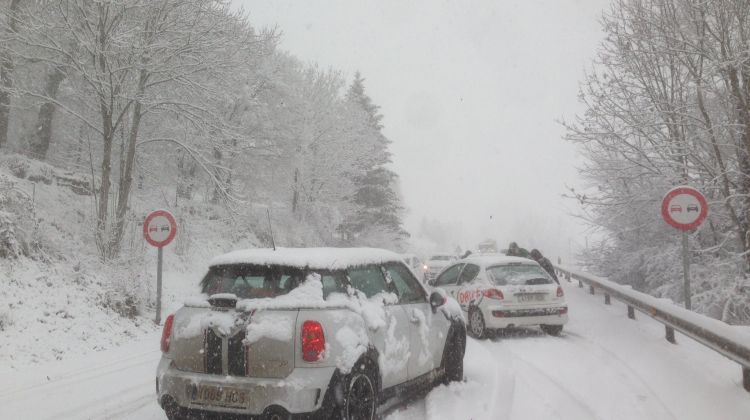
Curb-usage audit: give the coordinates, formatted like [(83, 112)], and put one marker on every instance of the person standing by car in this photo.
[(515, 251), (546, 264)]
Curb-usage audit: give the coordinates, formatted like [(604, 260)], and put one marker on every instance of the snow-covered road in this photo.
[(604, 366)]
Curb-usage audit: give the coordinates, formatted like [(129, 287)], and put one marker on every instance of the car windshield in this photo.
[(517, 274), (440, 258), (262, 281)]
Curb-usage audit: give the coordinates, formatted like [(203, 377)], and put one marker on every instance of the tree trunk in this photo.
[(216, 196), (126, 171), (6, 83), (295, 188), (42, 136), (6, 75)]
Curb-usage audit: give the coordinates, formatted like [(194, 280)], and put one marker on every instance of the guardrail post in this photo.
[(591, 289), (746, 378), (607, 299), (631, 312), (670, 334)]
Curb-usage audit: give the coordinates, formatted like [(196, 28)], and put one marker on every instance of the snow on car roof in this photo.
[(320, 258), (497, 259)]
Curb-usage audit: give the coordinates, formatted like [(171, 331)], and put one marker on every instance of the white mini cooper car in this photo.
[(306, 333), (501, 292)]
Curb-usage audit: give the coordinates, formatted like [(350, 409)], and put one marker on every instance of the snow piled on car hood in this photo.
[(315, 258)]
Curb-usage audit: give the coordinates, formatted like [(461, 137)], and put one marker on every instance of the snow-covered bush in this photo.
[(10, 242), (18, 167), (127, 291), (16, 220), (5, 319)]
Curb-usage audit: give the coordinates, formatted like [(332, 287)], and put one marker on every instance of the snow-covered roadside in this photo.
[(56, 312), (58, 300), (99, 385), (604, 366)]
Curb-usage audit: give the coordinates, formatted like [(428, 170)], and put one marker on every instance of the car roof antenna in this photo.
[(270, 229)]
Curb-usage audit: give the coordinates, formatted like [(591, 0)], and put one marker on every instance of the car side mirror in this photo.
[(436, 300)]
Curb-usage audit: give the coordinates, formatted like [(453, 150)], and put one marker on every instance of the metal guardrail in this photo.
[(714, 334)]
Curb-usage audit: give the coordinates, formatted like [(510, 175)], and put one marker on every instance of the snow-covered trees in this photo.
[(183, 103), (666, 104), (376, 204)]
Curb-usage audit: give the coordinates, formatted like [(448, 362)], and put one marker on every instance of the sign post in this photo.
[(159, 229), (684, 208)]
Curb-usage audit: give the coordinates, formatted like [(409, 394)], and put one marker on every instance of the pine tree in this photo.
[(376, 216)]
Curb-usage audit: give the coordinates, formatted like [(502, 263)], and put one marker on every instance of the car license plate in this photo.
[(530, 297), (220, 396)]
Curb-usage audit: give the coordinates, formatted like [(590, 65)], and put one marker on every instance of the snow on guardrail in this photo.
[(731, 341)]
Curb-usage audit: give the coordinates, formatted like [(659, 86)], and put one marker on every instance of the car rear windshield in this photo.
[(248, 281), (440, 258), (518, 274)]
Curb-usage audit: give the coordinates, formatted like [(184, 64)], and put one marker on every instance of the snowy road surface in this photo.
[(604, 366)]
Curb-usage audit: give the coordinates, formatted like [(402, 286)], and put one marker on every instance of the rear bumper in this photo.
[(503, 317), (303, 391)]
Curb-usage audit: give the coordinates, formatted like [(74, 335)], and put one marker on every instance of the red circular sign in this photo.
[(684, 208), (159, 228)]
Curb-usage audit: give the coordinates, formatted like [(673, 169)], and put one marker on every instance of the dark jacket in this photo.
[(516, 251), (547, 266)]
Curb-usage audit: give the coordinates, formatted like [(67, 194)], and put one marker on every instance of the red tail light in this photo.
[(493, 294), (560, 292), (563, 311), (166, 334), (313, 341)]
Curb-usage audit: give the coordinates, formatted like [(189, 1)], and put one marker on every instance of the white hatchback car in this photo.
[(501, 292)]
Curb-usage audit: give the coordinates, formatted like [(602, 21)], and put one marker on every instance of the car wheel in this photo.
[(174, 412), (361, 395), (454, 358), (552, 329), (476, 323)]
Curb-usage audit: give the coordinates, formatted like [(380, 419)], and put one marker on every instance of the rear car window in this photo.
[(518, 274), (369, 280), (248, 281)]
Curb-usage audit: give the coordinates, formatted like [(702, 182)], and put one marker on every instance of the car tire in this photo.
[(476, 323), (361, 394), (173, 412), (453, 360), (552, 329)]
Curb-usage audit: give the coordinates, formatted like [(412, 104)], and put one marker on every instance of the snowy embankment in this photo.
[(603, 367), (58, 300)]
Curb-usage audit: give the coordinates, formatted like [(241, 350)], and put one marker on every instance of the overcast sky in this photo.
[(470, 93)]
